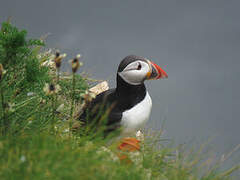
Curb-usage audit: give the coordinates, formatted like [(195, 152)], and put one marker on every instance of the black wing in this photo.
[(104, 104)]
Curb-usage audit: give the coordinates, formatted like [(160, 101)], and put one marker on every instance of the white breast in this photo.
[(137, 116)]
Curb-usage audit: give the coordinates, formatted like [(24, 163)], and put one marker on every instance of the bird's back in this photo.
[(103, 110)]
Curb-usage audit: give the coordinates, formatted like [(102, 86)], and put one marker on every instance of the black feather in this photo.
[(114, 101)]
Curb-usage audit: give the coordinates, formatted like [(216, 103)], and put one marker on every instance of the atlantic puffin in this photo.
[(128, 105)]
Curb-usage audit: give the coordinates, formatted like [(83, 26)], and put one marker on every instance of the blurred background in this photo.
[(196, 42)]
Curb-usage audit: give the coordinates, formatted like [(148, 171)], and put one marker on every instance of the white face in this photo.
[(135, 73)]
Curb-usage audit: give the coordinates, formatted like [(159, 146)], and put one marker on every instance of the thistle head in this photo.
[(51, 89), (75, 63), (58, 59)]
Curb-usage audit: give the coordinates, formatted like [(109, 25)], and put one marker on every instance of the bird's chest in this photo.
[(137, 116)]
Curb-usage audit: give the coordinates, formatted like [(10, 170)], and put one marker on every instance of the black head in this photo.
[(135, 69), (129, 59)]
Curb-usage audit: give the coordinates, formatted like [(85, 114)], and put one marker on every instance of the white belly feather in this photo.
[(137, 116)]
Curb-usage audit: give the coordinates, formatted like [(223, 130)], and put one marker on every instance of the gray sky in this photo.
[(196, 42)]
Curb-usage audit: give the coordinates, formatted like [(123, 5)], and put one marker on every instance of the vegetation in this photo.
[(36, 115)]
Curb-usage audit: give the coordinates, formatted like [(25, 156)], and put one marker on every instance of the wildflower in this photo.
[(47, 59), (30, 93), (139, 135), (66, 130), (49, 63), (58, 59), (2, 72), (76, 64), (51, 89), (22, 158)]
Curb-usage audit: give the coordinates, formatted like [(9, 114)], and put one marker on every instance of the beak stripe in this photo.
[(154, 72)]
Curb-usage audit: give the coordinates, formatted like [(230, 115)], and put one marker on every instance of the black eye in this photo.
[(139, 66)]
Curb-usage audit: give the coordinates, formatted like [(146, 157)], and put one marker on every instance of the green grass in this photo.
[(34, 143), (43, 156)]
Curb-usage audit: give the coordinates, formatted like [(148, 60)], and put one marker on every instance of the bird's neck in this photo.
[(125, 89)]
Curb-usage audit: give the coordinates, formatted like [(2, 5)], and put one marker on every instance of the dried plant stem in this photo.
[(58, 75), (4, 114), (72, 103), (53, 114)]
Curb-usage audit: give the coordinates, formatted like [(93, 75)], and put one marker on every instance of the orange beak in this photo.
[(156, 72)]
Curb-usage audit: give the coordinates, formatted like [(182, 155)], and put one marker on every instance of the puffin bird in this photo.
[(129, 104)]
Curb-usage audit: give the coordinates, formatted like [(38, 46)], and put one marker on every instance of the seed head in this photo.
[(75, 63), (57, 54), (58, 59), (51, 89)]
